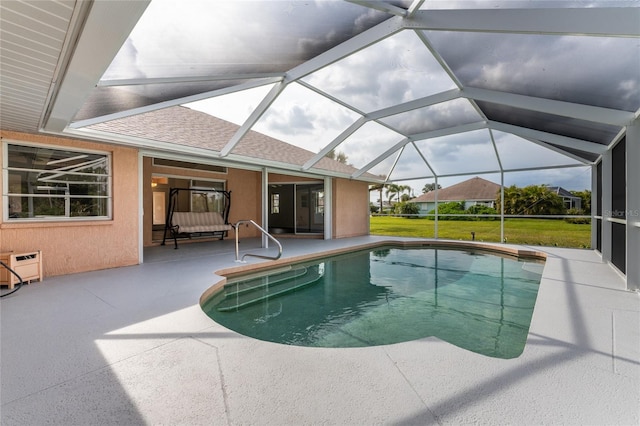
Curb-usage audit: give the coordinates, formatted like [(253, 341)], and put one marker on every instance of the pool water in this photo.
[(476, 300)]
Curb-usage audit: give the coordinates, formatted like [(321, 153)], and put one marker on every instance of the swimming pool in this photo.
[(473, 299)]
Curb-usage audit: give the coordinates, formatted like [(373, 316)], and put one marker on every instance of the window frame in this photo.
[(194, 187), (40, 219)]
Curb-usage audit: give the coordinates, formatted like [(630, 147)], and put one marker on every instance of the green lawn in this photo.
[(542, 232)]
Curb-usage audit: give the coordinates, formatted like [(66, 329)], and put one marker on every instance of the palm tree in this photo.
[(378, 187), (531, 200), (394, 189), (340, 157), (428, 187), (407, 189)]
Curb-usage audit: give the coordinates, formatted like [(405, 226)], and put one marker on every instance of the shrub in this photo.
[(453, 207), (458, 208), (406, 208), (577, 220), (482, 210)]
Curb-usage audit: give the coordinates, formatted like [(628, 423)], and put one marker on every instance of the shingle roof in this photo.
[(561, 191), (188, 127), (475, 189)]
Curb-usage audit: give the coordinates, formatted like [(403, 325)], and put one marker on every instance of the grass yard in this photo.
[(541, 232)]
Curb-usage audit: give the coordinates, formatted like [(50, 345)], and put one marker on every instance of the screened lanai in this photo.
[(408, 91), (435, 91)]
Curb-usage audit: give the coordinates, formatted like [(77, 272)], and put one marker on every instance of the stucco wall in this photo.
[(278, 178), (70, 247), (350, 208)]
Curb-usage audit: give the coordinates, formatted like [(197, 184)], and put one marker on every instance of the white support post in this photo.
[(607, 171), (328, 208), (633, 206), (265, 206), (435, 225), (141, 190), (595, 200), (502, 206)]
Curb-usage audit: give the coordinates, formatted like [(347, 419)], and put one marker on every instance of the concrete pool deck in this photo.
[(130, 346)]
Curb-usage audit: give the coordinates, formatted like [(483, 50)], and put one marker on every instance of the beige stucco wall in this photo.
[(350, 208), (69, 247), (278, 178)]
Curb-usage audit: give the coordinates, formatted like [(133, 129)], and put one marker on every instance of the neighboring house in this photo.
[(475, 191), (570, 201)]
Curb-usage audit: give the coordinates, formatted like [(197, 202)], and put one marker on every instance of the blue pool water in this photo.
[(475, 300)]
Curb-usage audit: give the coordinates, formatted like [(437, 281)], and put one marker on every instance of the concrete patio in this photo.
[(131, 346)]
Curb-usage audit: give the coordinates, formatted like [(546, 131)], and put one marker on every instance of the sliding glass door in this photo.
[(310, 208), (296, 208)]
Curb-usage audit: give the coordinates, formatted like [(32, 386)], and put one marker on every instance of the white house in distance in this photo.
[(474, 191)]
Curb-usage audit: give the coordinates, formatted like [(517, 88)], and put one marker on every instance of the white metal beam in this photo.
[(385, 112), (381, 158), (417, 137), (174, 102), (337, 141), (433, 172), (633, 207), (253, 118), (395, 162), (565, 141), (381, 6), (565, 109), (185, 79), (560, 151), (354, 44), (494, 172), (108, 25), (415, 6), (445, 96), (449, 131), (612, 22)]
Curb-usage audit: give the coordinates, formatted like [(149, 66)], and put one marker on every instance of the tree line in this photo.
[(528, 200)]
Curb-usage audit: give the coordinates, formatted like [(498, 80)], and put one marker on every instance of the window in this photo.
[(47, 183), (188, 165), (207, 200)]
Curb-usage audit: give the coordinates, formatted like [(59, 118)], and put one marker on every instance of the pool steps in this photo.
[(247, 292)]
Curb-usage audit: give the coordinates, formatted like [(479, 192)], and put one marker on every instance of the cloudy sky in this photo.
[(274, 36)]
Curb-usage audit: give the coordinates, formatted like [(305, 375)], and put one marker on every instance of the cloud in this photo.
[(460, 153), (297, 120), (434, 117), (516, 153), (303, 118), (568, 68), (218, 37), (395, 70), (571, 179)]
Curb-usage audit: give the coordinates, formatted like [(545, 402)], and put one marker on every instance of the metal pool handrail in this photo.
[(237, 227)]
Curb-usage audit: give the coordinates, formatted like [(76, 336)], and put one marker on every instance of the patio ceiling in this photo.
[(406, 90)]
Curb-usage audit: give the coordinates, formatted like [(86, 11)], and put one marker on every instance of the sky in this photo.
[(401, 68)]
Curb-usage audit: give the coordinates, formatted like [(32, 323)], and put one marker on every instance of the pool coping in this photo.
[(227, 273)]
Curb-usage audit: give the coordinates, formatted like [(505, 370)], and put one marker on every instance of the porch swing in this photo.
[(189, 223)]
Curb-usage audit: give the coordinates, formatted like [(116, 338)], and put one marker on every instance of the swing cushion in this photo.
[(196, 222)]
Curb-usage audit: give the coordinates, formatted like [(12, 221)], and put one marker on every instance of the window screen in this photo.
[(47, 183)]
